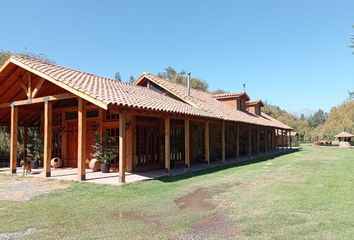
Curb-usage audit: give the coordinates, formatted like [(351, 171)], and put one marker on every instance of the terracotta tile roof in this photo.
[(255, 102), (231, 95), (108, 91), (208, 103), (104, 92)]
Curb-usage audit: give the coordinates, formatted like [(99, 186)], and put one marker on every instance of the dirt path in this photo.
[(25, 188)]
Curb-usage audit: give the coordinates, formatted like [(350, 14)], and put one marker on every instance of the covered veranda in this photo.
[(37, 94)]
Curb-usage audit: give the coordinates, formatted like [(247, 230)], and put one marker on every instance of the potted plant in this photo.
[(105, 151), (35, 151)]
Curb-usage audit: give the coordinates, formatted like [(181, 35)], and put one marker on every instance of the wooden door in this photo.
[(70, 158)]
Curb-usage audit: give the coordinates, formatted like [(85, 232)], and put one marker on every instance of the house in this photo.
[(157, 123)]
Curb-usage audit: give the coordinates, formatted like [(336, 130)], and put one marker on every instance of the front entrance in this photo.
[(70, 138), (70, 151)]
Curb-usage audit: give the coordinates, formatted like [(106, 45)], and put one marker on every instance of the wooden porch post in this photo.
[(258, 141), (47, 151), (81, 145), (249, 141), (13, 139), (223, 144), (167, 145), (277, 140), (186, 144), (283, 140), (25, 135), (122, 148), (238, 142), (266, 140), (290, 139), (207, 151)]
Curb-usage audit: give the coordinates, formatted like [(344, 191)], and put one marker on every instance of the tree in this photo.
[(317, 118), (352, 41), (117, 77), (3, 57), (180, 77), (131, 79), (219, 91), (302, 117), (351, 95)]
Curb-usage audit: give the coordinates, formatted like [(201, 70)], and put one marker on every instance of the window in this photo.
[(70, 115), (238, 104), (57, 119), (92, 114), (111, 116)]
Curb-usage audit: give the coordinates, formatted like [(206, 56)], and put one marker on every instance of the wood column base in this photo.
[(13, 171), (82, 177), (47, 174), (121, 180)]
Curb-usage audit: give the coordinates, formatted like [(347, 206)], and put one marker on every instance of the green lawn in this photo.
[(308, 194)]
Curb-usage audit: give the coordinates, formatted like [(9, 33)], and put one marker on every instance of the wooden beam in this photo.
[(249, 141), (25, 135), (13, 139), (266, 136), (223, 144), (57, 97), (47, 155), (38, 87), (258, 140), (290, 140), (167, 145), (238, 142), (122, 147), (29, 85), (60, 84), (186, 144), (81, 144), (207, 148), (23, 86)]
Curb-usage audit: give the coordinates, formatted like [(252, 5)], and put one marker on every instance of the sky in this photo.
[(293, 54)]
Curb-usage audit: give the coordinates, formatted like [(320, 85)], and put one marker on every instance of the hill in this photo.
[(340, 119), (299, 126)]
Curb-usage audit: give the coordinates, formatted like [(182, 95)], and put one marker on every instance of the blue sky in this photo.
[(293, 54)]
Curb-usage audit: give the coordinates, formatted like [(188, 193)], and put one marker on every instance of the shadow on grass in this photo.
[(187, 175)]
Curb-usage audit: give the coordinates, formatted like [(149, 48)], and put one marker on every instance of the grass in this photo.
[(308, 194)]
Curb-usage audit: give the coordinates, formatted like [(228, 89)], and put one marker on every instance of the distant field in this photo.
[(308, 194)]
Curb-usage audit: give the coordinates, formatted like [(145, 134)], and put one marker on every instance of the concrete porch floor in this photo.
[(70, 174)]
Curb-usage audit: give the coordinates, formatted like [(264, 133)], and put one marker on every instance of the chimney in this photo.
[(189, 84)]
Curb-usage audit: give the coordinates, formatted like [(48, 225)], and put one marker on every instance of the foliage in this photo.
[(352, 41), (351, 95), (4, 55), (4, 141), (317, 118), (218, 91), (105, 149), (180, 77), (299, 125), (340, 119), (117, 77), (131, 79), (35, 144)]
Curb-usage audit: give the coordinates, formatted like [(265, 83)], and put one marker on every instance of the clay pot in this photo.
[(94, 165), (56, 162)]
